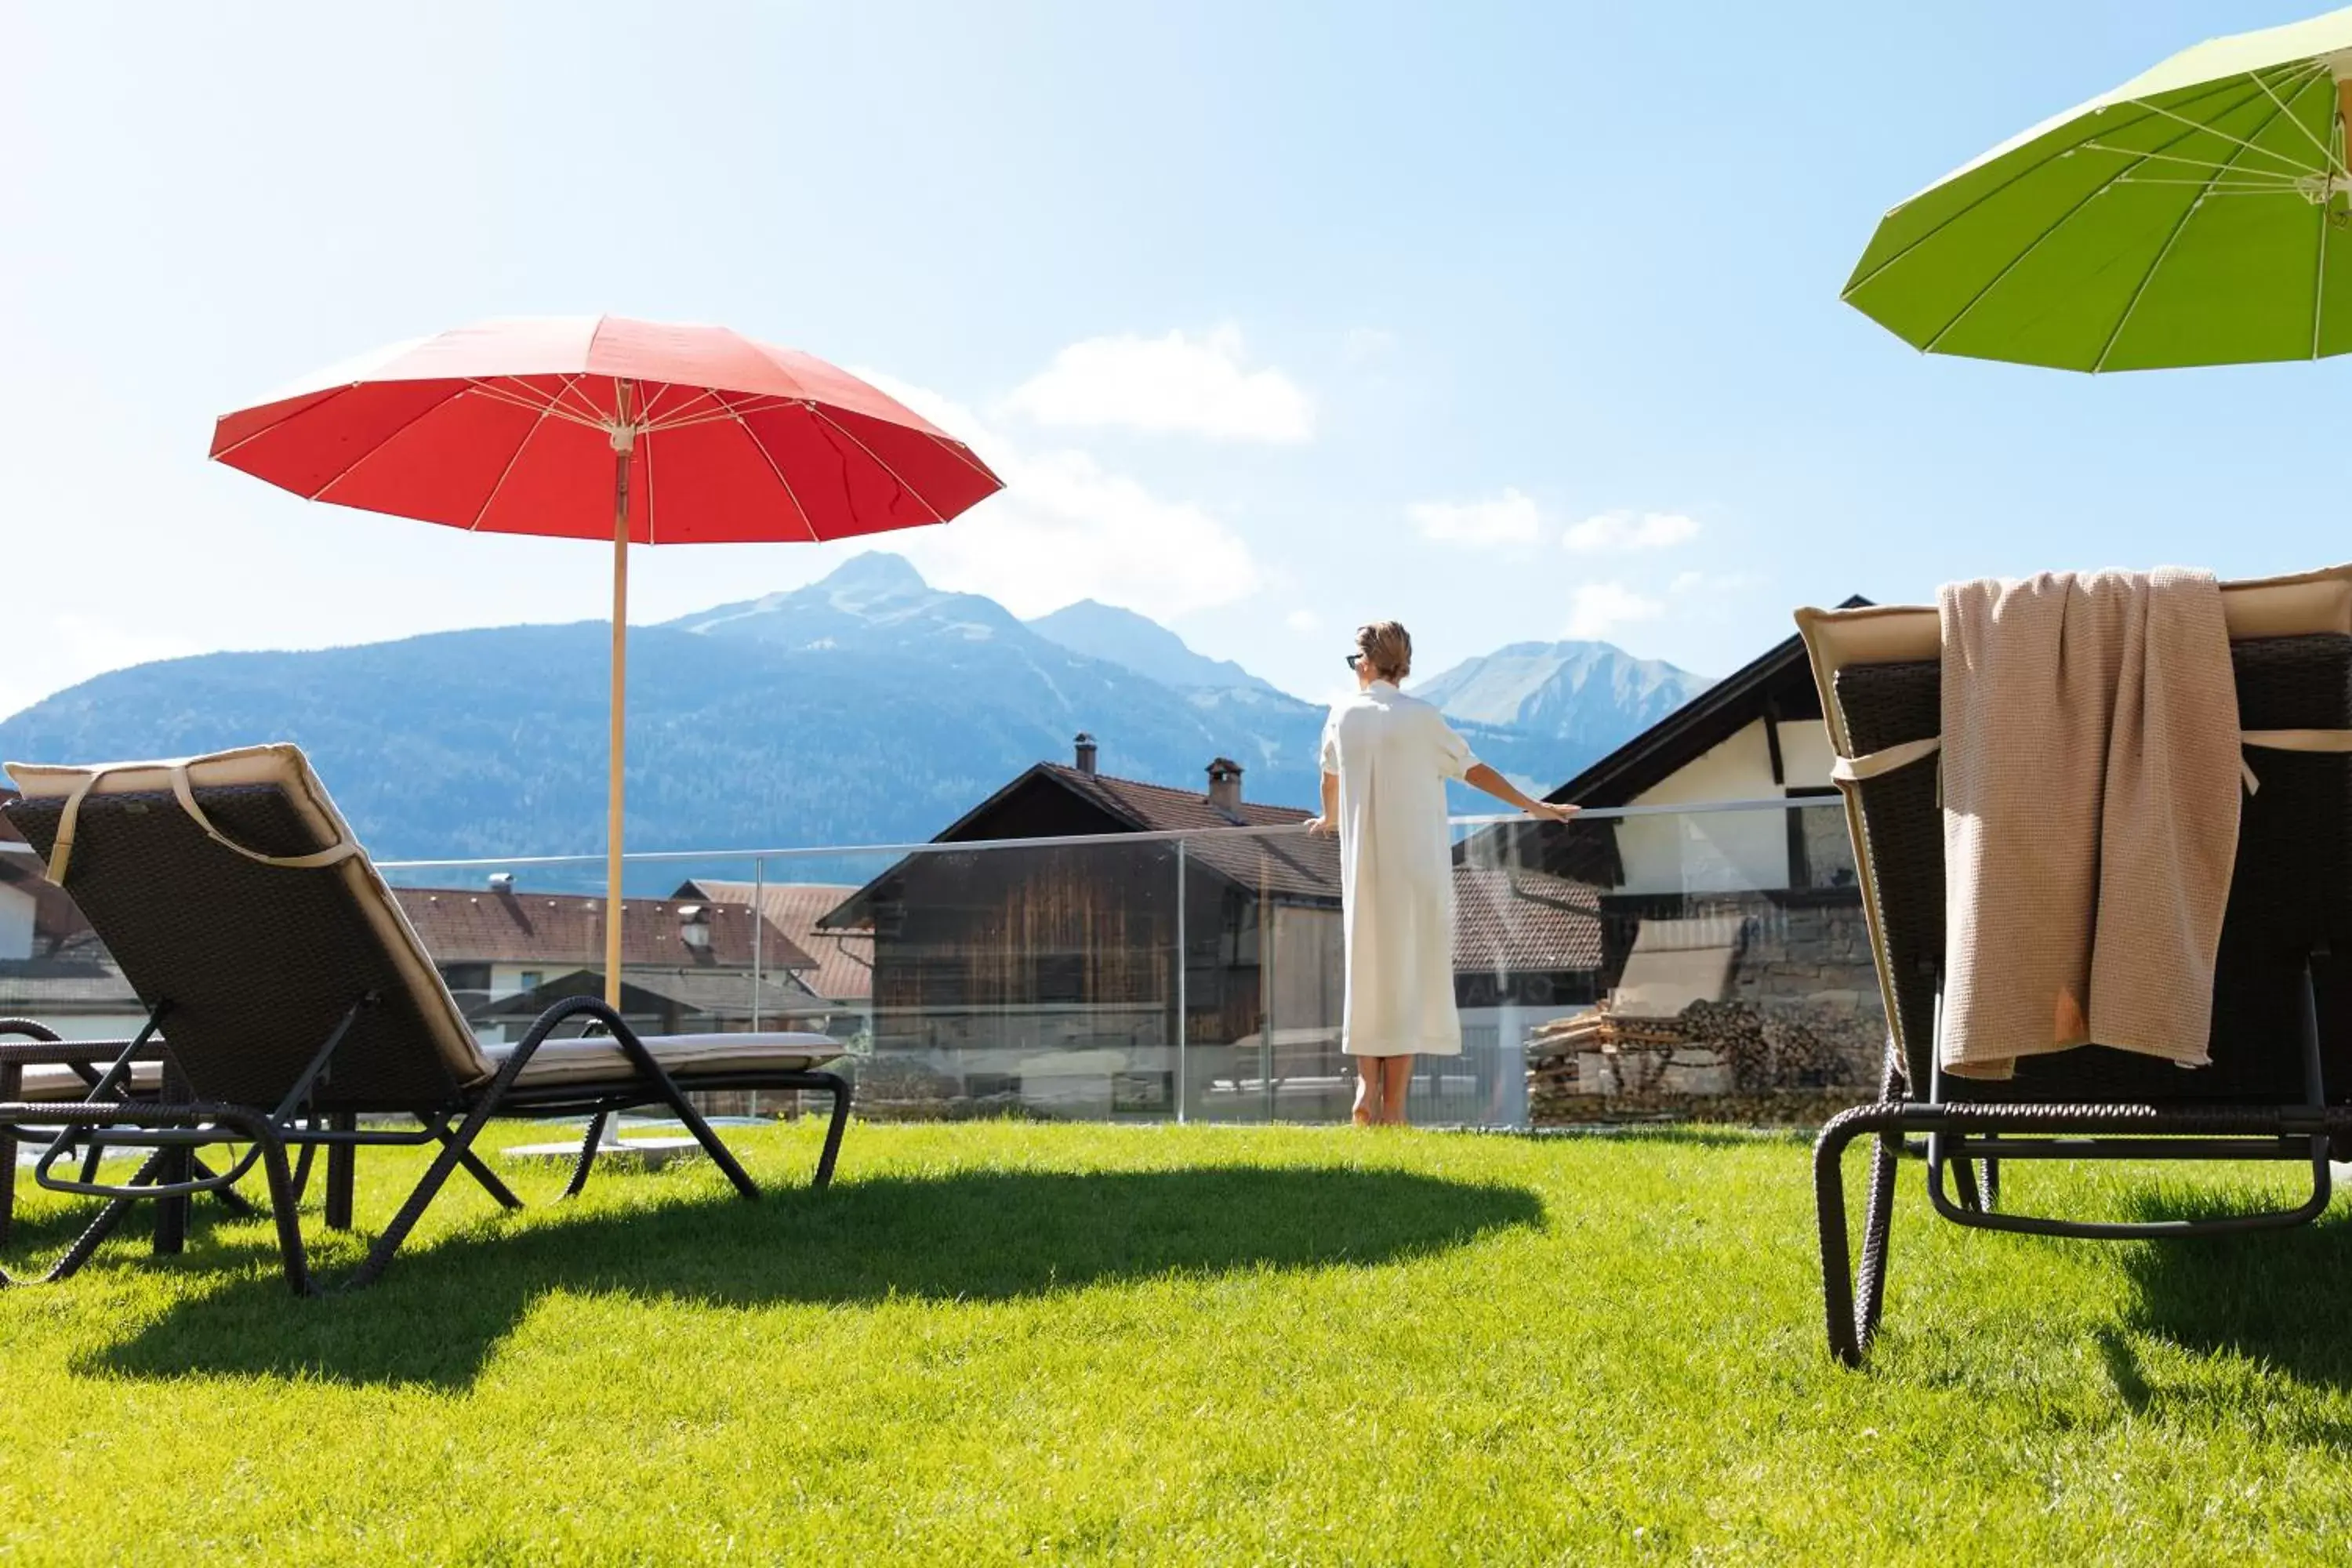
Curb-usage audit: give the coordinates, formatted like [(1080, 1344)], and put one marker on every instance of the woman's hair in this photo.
[(1387, 647)]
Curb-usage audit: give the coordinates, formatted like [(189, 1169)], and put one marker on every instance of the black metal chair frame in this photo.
[(1966, 1133), (173, 1129), (1960, 1135)]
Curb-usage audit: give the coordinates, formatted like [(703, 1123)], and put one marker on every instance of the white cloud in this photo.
[(1303, 622), (1064, 528), (1631, 530), (1597, 609), (1509, 519), (1177, 382)]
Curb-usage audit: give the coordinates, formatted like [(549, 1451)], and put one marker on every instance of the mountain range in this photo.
[(869, 707)]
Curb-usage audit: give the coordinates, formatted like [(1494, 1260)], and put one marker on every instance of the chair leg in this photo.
[(484, 1177), (721, 1155), (302, 1170), (1853, 1325), (94, 1235), (587, 1158), (284, 1207), (343, 1172), (455, 1147), (837, 1087)]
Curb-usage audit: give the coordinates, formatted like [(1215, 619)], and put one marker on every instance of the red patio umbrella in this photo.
[(691, 434)]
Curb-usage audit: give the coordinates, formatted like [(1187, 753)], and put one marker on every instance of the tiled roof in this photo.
[(1292, 865), (722, 996), (1511, 921), (466, 926), (845, 960), (81, 983)]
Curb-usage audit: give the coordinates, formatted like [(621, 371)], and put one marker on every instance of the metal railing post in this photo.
[(759, 929), (1183, 998)]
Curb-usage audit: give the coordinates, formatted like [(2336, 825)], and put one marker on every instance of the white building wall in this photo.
[(16, 907), (1721, 852), (507, 979)]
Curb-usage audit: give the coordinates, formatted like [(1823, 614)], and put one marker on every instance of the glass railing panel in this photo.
[(1696, 961), (1734, 978), (1034, 978)]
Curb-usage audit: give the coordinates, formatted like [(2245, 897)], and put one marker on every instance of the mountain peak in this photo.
[(1573, 691), (1140, 644), (873, 575)]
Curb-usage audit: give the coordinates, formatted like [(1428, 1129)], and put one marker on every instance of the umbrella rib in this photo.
[(725, 411), (521, 447), (661, 390), (2240, 180), (895, 477), (2313, 74), (2061, 221), (526, 400), (777, 469), (1861, 283), (2293, 171), (2180, 227), (650, 421), (222, 455), (965, 456), (2328, 161), (382, 442)]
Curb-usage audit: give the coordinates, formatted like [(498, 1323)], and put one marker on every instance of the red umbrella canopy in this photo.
[(512, 426)]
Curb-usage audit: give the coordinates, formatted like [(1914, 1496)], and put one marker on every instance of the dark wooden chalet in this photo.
[(990, 959)]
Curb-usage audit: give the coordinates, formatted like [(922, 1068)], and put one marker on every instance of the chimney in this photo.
[(1226, 786), (1086, 752)]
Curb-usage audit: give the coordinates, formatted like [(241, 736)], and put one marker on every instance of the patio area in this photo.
[(999, 1340)]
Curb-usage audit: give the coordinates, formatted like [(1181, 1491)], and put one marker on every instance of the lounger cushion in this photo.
[(48, 1083), (598, 1059)]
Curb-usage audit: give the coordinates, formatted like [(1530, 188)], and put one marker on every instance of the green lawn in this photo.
[(1001, 1341)]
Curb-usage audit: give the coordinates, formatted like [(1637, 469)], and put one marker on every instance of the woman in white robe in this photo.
[(1386, 758)]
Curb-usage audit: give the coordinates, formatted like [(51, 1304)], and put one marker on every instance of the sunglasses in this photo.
[(1354, 661)]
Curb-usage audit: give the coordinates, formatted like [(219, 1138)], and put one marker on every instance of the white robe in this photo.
[(1393, 754)]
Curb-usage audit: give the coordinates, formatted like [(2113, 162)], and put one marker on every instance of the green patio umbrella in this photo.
[(2200, 214)]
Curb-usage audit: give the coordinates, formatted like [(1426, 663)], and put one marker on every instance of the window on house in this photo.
[(529, 979)]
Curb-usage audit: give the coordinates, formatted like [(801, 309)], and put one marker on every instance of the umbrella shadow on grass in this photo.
[(989, 1236), (2276, 1297)]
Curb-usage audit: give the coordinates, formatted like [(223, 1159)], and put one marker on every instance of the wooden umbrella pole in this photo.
[(623, 441)]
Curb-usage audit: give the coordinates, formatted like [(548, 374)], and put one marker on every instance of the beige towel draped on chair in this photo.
[(2091, 762)]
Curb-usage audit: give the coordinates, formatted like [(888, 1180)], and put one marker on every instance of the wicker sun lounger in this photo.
[(2279, 1086), (289, 999)]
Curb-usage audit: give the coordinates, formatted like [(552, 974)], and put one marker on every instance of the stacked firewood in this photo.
[(1601, 1060)]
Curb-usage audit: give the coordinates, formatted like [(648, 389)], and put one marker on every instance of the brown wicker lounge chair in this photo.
[(289, 999), (2279, 1086)]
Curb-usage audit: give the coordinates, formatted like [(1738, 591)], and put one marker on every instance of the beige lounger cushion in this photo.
[(600, 1060), (48, 1083), (284, 765)]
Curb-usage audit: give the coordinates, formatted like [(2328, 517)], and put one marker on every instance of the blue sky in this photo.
[(1510, 322)]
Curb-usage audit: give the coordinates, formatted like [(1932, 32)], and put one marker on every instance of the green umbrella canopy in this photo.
[(2196, 214)]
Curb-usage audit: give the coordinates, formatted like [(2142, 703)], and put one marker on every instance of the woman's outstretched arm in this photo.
[(1480, 776), (1329, 821)]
